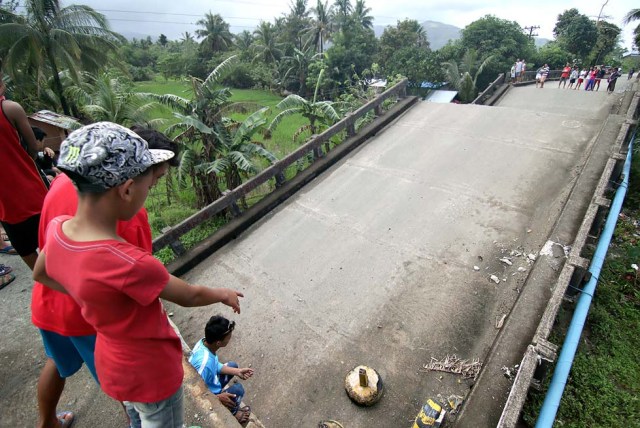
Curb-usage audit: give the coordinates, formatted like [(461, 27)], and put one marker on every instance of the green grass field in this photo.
[(280, 143), (167, 211)]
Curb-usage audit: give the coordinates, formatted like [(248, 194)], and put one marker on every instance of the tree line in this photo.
[(319, 56)]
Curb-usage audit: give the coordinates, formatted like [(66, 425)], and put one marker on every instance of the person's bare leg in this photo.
[(30, 259), (50, 387)]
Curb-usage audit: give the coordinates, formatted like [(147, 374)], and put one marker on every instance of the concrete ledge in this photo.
[(238, 225), (518, 393), (549, 316)]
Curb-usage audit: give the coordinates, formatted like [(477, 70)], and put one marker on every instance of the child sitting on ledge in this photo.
[(217, 334)]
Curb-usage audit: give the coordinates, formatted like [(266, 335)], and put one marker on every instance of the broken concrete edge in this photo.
[(518, 393), (238, 225)]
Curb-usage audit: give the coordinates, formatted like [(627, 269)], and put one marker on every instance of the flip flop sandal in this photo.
[(6, 280), (5, 269), (66, 423), (9, 250)]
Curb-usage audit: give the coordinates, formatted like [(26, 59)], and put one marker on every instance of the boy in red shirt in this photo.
[(69, 341), (138, 356)]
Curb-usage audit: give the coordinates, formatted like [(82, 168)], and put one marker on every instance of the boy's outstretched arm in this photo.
[(242, 373), (185, 294), (40, 274)]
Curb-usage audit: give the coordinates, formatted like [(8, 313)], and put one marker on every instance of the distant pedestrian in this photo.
[(544, 73), (564, 76), (581, 77), (590, 79), (630, 74), (518, 69), (513, 73), (524, 70), (599, 76), (573, 77), (612, 80)]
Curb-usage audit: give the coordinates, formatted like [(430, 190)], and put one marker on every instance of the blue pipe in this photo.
[(565, 360)]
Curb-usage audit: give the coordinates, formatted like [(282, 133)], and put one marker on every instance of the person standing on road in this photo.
[(513, 73), (22, 192), (599, 75), (630, 74), (523, 71), (581, 77), (518, 69), (544, 73), (612, 80), (573, 76), (592, 79), (564, 76)]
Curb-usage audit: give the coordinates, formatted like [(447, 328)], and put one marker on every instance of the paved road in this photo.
[(372, 263)]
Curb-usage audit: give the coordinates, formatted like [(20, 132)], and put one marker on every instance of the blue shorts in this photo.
[(69, 352)]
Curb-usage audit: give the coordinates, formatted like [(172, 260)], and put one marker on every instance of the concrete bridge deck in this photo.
[(371, 263)]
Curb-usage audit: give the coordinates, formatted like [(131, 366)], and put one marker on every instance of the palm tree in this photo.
[(297, 21), (320, 28), (187, 37), (216, 34), (633, 15), (342, 9), (461, 76), (108, 97), (314, 111), (299, 65), (50, 38), (361, 15), (266, 44)]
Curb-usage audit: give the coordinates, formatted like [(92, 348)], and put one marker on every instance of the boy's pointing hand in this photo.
[(232, 299)]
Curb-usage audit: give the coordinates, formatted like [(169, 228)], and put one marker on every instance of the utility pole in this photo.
[(531, 29)]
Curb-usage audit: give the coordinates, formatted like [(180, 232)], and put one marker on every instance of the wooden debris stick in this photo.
[(453, 364)]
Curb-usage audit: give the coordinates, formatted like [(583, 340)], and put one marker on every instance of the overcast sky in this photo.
[(175, 17)]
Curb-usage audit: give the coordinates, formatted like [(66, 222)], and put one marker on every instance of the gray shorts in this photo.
[(167, 413)]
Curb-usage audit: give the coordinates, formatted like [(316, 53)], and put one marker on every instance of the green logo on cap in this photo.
[(73, 155)]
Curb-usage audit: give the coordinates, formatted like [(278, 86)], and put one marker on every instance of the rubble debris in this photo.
[(522, 269), (454, 402), (453, 364), (506, 261), (531, 257), (500, 322), (510, 372), (495, 279), (476, 268)]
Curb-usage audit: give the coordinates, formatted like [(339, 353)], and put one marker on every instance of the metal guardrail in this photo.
[(276, 171)]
